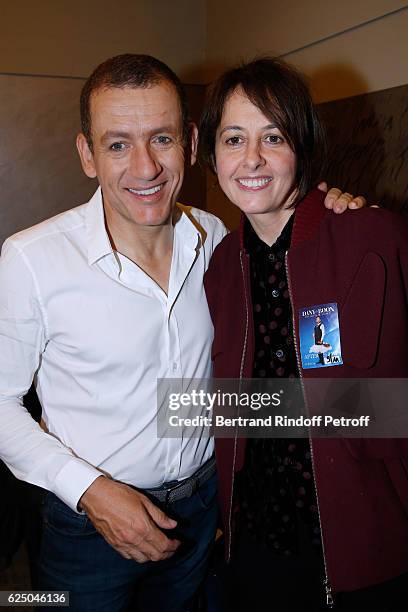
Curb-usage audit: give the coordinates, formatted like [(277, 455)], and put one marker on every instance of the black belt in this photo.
[(168, 492)]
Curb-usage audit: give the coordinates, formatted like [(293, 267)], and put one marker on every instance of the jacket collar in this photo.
[(308, 216)]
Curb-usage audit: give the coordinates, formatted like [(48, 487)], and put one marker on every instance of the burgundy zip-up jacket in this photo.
[(360, 261)]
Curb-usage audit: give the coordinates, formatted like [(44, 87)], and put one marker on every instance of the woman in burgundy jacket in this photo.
[(308, 523)]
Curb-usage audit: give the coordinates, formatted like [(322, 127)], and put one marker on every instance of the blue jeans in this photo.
[(76, 558)]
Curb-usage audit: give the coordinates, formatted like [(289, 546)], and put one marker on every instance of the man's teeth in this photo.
[(254, 182), (146, 192)]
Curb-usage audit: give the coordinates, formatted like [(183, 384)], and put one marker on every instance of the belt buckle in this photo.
[(191, 485), (170, 490)]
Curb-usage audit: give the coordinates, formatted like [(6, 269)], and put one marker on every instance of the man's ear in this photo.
[(86, 157), (193, 136)]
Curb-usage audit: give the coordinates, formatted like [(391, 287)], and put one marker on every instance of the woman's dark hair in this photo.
[(130, 70), (281, 94)]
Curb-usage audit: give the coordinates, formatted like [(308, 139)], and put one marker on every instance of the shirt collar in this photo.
[(193, 233), (98, 240)]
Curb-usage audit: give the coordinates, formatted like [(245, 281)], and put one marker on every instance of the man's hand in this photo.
[(338, 202), (128, 521)]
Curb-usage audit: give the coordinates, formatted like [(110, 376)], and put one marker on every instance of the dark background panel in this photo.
[(368, 145)]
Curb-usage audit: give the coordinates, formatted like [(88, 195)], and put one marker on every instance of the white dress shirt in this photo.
[(95, 332)]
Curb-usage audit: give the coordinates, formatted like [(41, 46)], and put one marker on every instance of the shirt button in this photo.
[(275, 293), (272, 257), (279, 353), (175, 367)]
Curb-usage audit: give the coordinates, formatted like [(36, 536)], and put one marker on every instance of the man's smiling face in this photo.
[(138, 153)]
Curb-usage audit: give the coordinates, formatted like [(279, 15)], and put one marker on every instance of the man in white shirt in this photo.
[(96, 304)]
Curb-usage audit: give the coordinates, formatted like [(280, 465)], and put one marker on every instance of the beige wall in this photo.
[(357, 46), (369, 58), (70, 37), (198, 38)]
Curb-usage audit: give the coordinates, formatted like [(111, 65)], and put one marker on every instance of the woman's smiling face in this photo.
[(255, 164)]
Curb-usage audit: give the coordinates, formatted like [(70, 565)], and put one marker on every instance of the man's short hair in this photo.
[(130, 70)]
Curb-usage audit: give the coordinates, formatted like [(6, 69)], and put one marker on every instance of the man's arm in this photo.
[(30, 453), (129, 521), (339, 202), (126, 518)]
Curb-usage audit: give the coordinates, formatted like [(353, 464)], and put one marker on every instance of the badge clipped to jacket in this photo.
[(319, 333)]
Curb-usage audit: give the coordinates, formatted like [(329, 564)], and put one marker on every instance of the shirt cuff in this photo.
[(73, 480)]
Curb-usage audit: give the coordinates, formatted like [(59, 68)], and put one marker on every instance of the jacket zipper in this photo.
[(241, 372), (326, 582)]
